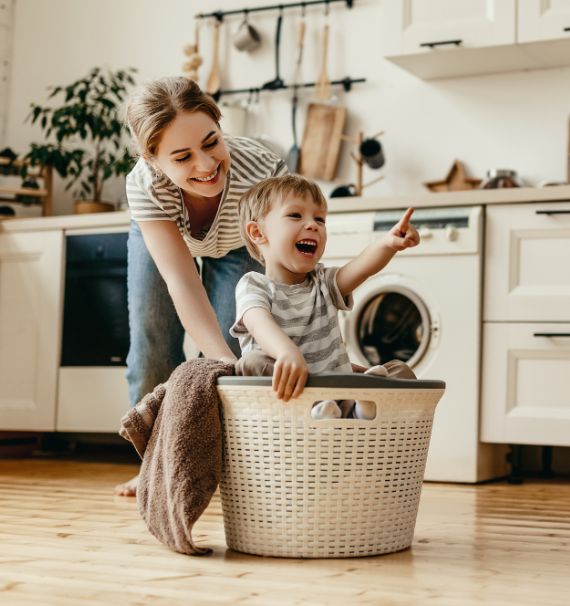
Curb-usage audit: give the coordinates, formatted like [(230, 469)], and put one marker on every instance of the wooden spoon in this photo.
[(213, 82), (323, 84)]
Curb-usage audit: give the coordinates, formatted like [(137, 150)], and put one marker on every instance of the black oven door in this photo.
[(95, 316)]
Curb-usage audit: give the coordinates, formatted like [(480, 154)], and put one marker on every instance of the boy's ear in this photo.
[(254, 233)]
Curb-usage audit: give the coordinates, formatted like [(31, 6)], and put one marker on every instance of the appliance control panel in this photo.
[(456, 230), (451, 230)]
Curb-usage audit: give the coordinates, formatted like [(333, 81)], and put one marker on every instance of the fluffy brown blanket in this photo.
[(182, 451)]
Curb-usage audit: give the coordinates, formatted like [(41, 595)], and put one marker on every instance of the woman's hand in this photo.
[(403, 235), (290, 374)]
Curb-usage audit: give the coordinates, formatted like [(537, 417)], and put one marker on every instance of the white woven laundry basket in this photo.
[(293, 486)]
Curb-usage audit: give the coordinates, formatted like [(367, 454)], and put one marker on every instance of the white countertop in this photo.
[(455, 198), (336, 205)]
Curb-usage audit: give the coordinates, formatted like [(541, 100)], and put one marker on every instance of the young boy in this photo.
[(290, 313)]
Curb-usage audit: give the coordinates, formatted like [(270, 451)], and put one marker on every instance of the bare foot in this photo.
[(128, 489)]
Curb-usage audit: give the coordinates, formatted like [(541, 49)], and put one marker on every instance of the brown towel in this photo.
[(182, 461)]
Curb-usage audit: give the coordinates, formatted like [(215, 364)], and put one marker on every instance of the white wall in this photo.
[(516, 120), (5, 62)]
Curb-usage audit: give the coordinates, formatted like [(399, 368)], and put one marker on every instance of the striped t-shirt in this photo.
[(154, 197), (306, 312)]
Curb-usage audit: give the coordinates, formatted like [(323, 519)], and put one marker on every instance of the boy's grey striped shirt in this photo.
[(156, 198), (306, 312)]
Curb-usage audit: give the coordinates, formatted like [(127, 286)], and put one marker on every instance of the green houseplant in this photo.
[(84, 135)]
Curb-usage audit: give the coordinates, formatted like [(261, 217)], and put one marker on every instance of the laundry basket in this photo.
[(293, 486)]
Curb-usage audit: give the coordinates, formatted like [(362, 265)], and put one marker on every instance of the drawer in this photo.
[(527, 273), (526, 384)]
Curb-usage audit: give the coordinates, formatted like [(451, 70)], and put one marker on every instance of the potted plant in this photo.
[(84, 140)]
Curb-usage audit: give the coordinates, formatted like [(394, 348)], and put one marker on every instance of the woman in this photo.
[(183, 195)]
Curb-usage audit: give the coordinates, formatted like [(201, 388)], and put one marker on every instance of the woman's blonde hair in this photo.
[(258, 201), (154, 106)]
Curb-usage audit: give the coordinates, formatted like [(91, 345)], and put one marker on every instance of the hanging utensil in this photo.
[(294, 154), (277, 82), (323, 83), (192, 51), (213, 82)]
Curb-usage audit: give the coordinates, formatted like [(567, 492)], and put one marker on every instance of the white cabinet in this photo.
[(446, 38), (526, 383), (31, 278), (526, 334), (527, 268), (427, 25), (540, 20)]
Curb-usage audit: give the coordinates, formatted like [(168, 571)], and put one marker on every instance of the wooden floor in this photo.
[(66, 540)]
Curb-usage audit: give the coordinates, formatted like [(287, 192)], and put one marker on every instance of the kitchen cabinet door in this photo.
[(540, 20), (31, 277), (527, 273), (431, 26), (526, 384)]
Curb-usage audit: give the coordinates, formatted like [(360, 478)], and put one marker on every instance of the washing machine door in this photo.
[(390, 320)]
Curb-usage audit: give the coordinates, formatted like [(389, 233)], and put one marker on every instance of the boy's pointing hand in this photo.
[(403, 235)]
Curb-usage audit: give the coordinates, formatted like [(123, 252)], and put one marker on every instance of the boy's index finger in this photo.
[(404, 222)]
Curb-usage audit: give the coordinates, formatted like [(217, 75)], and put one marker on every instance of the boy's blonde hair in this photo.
[(154, 106), (258, 201)]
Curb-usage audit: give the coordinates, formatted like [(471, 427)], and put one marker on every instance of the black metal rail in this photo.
[(219, 15), (346, 83)]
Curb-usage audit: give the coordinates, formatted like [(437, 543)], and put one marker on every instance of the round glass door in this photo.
[(393, 324)]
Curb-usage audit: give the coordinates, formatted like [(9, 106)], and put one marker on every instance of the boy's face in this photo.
[(292, 238)]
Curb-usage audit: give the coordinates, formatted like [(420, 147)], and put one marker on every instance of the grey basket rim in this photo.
[(340, 381)]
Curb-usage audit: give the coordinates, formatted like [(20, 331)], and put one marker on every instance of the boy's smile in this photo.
[(293, 239)]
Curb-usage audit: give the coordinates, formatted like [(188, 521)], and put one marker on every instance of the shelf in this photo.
[(44, 194)]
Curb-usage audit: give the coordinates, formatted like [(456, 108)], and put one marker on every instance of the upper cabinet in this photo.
[(540, 20), (421, 26), (443, 38)]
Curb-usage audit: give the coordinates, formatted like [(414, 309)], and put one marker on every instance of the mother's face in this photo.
[(193, 155)]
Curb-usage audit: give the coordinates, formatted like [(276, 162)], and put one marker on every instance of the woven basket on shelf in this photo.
[(296, 487)]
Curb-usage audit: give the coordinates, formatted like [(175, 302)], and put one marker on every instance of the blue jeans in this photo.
[(156, 334)]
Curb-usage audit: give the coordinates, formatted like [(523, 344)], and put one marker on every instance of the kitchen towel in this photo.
[(182, 460)]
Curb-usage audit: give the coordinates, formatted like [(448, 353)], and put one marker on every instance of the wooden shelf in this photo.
[(44, 194)]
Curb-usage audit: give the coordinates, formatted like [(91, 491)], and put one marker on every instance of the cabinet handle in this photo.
[(566, 29), (552, 212), (551, 334), (441, 43)]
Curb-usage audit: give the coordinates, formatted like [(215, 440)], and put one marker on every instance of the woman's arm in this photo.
[(290, 372), (376, 256), (176, 265)]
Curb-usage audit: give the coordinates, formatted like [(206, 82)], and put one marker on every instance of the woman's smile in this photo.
[(211, 178)]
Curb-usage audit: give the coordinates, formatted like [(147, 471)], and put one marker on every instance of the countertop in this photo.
[(336, 205)]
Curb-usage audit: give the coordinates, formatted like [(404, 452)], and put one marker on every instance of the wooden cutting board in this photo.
[(321, 140)]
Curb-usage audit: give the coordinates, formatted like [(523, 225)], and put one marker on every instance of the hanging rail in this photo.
[(219, 15), (345, 82)]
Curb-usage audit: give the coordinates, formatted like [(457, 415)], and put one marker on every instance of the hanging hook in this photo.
[(303, 10), (219, 15), (327, 8)]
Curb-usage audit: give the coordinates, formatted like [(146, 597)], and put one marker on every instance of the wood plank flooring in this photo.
[(66, 540)]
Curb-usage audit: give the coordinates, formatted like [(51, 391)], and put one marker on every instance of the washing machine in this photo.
[(424, 308)]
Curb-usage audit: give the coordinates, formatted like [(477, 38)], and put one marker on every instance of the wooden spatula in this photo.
[(213, 82), (323, 84)]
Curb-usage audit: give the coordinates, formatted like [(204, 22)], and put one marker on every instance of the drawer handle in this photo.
[(552, 212), (551, 334), (441, 43)]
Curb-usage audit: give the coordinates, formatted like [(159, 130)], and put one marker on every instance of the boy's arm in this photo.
[(290, 372), (377, 255)]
